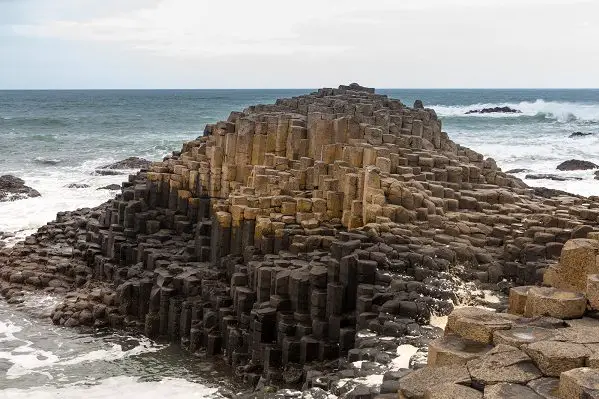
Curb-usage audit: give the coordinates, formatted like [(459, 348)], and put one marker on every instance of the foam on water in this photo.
[(168, 388), (552, 110)]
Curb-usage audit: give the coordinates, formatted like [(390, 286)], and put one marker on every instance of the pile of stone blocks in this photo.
[(545, 346)]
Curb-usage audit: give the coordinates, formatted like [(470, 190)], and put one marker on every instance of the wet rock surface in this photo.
[(129, 163), (307, 244), (494, 110), (580, 134), (13, 188), (576, 164), (553, 177)]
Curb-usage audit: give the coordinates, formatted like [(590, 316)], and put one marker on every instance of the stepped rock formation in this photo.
[(544, 347), (280, 235)]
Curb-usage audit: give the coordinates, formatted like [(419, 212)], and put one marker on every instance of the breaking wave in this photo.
[(540, 109)]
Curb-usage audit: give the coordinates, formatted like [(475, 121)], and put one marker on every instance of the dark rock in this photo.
[(44, 161), (576, 164), (101, 172), (77, 185), (519, 170), (129, 163), (551, 177), (12, 188), (580, 134), (111, 187), (499, 110), (550, 192), (418, 104)]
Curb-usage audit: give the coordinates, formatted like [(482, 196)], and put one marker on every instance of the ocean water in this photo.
[(55, 138)]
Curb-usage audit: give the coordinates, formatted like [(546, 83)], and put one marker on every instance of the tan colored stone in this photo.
[(553, 358), (519, 336), (517, 299), (578, 259), (452, 349), (547, 387), (547, 301), (503, 364), (579, 383), (592, 290), (452, 391), (477, 324), (415, 384), (508, 390)]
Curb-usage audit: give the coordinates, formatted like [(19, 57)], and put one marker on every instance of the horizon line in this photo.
[(299, 88)]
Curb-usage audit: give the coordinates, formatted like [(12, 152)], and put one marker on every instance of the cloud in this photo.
[(198, 29)]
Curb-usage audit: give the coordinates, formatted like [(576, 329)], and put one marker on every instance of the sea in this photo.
[(52, 139)]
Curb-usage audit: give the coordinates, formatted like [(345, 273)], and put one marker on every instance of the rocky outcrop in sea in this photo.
[(13, 188), (307, 244)]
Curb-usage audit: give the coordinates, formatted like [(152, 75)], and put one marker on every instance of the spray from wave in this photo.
[(564, 112)]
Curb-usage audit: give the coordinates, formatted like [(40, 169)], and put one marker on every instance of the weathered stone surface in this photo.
[(503, 364), (546, 387), (452, 391), (517, 299), (129, 163), (579, 383), (452, 349), (508, 390), (552, 302), (478, 324), (578, 259), (553, 358), (415, 385), (519, 336), (12, 189)]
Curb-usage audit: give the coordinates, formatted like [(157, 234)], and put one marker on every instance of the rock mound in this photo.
[(13, 188), (495, 110), (576, 164), (298, 239), (129, 163)]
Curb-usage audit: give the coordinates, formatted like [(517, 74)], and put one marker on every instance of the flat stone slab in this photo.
[(508, 390), (478, 324), (579, 383), (452, 349), (547, 387), (519, 336), (452, 391), (583, 331), (414, 385), (553, 302), (503, 364), (553, 358)]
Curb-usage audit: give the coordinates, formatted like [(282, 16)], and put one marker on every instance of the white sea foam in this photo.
[(25, 357), (553, 110), (168, 388), (23, 217)]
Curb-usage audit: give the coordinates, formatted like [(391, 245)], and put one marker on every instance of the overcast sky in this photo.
[(310, 43)]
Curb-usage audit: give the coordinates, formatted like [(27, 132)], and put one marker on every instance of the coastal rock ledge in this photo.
[(307, 243)]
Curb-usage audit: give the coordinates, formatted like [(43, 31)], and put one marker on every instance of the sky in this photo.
[(87, 44)]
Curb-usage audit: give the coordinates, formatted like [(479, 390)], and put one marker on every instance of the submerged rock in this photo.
[(580, 134), (518, 170), (129, 163), (110, 187), (77, 185), (548, 176), (12, 189), (576, 164), (495, 110)]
